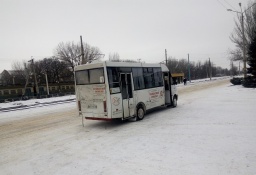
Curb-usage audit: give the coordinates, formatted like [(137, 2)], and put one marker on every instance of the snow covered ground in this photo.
[(34, 107), (212, 131)]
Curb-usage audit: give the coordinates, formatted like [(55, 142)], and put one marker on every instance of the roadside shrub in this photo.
[(236, 81), (250, 82)]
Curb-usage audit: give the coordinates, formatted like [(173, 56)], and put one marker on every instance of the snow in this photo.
[(212, 131), (34, 101), (35, 107)]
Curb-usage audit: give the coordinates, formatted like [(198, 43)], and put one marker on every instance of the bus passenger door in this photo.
[(127, 94), (167, 88)]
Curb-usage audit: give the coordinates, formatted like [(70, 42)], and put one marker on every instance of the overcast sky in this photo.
[(136, 29)]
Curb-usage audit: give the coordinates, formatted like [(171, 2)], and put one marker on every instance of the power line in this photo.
[(216, 53), (222, 4), (24, 57), (229, 4)]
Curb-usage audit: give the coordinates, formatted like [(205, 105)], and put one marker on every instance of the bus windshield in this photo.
[(90, 76)]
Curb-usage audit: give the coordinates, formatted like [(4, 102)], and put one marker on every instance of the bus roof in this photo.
[(120, 64)]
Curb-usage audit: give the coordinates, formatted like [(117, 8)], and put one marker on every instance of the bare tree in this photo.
[(70, 53), (249, 28), (91, 53), (57, 71), (114, 57), (20, 72), (6, 78), (129, 61), (236, 54)]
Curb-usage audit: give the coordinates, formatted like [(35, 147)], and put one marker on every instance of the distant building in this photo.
[(1, 82), (6, 78), (12, 77), (178, 77)]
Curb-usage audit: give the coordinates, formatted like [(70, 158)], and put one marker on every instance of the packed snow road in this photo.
[(212, 131)]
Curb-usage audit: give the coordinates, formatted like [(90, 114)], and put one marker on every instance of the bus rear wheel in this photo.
[(140, 113), (174, 102)]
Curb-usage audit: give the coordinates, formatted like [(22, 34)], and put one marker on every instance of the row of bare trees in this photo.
[(198, 70), (58, 68), (56, 71)]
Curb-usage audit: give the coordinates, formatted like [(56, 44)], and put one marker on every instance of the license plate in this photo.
[(92, 106)]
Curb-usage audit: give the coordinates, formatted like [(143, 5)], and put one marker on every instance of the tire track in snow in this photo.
[(201, 86), (22, 107)]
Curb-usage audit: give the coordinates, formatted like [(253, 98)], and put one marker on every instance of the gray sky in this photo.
[(133, 28)]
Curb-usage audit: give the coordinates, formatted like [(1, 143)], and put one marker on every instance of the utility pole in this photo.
[(33, 69), (166, 57), (27, 79), (210, 69), (239, 68), (242, 23), (82, 50), (231, 69), (13, 80), (46, 80), (189, 70), (37, 89)]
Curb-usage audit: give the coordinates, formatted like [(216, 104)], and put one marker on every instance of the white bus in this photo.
[(121, 90)]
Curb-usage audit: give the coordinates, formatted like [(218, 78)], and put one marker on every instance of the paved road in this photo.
[(32, 143)]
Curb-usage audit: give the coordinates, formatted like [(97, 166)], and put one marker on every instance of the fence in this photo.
[(15, 93)]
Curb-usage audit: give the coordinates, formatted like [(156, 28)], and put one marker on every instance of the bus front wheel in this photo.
[(140, 113)]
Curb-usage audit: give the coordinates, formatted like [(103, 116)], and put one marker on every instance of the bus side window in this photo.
[(123, 86), (124, 70), (129, 85), (158, 77), (149, 77), (173, 81), (166, 82), (113, 80), (138, 79)]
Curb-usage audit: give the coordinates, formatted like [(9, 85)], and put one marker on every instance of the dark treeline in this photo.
[(58, 71), (199, 69), (60, 67)]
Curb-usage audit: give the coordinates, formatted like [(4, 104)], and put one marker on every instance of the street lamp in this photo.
[(13, 80), (33, 69), (46, 81), (242, 25)]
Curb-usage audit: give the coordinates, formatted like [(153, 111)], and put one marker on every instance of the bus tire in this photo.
[(174, 102), (140, 113)]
